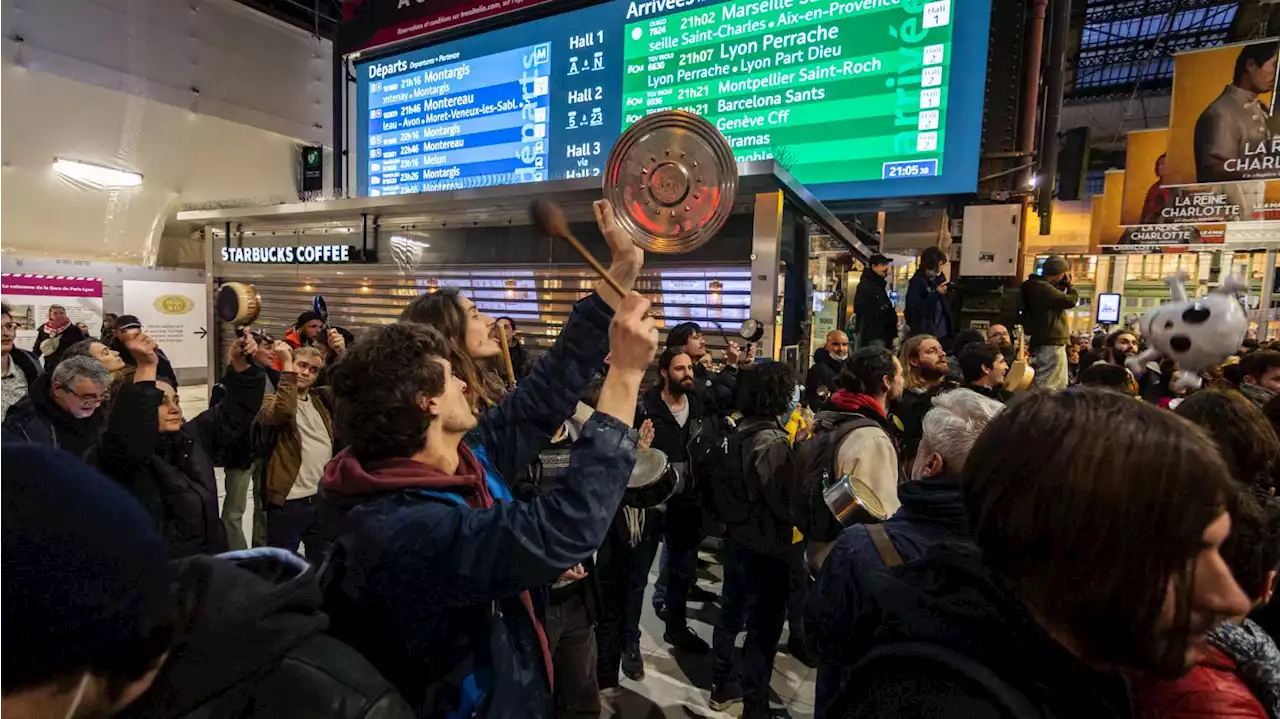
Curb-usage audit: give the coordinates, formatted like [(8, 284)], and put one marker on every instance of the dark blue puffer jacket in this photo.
[(431, 590)]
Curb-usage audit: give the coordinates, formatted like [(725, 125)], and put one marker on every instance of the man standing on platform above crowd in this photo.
[(873, 311), (1046, 297)]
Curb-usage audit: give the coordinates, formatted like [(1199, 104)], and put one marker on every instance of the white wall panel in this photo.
[(213, 57)]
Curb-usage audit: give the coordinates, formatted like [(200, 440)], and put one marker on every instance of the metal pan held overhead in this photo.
[(672, 180), (238, 303)]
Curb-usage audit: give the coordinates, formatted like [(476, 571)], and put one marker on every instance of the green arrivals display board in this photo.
[(836, 90)]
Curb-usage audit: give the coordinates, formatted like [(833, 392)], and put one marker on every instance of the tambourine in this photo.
[(852, 502), (238, 304), (653, 480), (672, 180)]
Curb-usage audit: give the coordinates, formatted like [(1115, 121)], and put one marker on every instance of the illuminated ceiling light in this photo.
[(96, 174)]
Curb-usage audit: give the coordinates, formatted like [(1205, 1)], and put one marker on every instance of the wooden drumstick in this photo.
[(506, 354), (550, 221)]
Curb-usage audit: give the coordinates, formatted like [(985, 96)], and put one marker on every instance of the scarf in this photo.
[(1257, 660), (854, 401), (55, 329)]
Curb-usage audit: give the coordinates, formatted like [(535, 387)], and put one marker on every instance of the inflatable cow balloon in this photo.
[(1197, 334)]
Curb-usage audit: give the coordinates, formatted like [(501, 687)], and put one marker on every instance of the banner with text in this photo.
[(370, 23), (1223, 155), (30, 296), (173, 314)]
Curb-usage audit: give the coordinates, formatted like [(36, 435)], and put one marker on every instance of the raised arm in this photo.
[(281, 406), (133, 427), (516, 430), (220, 427)]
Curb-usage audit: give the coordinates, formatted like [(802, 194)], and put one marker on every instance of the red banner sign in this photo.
[(371, 23)]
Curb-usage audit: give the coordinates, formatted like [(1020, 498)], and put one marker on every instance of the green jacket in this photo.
[(1044, 312)]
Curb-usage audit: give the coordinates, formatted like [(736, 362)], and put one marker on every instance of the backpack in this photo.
[(815, 470), (715, 460), (927, 658)]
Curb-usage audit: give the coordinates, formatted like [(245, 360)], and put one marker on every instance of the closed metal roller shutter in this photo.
[(539, 298)]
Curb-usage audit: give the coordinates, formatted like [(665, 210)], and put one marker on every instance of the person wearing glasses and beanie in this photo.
[(62, 408)]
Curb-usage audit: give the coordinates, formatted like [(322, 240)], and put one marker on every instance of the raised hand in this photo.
[(633, 338), (646, 434), (337, 342), (143, 349)]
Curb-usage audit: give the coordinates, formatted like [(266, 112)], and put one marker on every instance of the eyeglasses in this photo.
[(88, 400), (11, 326)]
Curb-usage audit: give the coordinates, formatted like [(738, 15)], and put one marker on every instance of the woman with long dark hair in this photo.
[(547, 396)]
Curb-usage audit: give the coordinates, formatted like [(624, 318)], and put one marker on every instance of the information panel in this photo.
[(857, 98)]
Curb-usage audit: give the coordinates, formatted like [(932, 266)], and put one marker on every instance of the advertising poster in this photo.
[(1105, 227), (29, 298), (1221, 126), (173, 314), (1224, 154), (1145, 194)]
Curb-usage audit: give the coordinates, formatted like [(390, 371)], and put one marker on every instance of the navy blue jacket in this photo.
[(429, 589), (932, 511), (986, 653), (927, 311)]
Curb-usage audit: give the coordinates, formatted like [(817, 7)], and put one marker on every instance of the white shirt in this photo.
[(317, 449), (680, 413)]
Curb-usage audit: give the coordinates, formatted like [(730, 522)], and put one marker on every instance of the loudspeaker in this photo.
[(1073, 162)]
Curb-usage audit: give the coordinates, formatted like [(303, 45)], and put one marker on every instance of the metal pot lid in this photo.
[(673, 179)]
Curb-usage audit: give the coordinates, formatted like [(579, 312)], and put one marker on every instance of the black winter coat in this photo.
[(37, 419), (256, 647), (824, 373), (668, 435), (69, 336), (874, 315), (172, 473), (927, 311), (766, 462), (938, 627)]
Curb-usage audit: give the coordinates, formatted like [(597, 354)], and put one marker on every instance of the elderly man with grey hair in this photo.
[(931, 512), (931, 508), (62, 408)]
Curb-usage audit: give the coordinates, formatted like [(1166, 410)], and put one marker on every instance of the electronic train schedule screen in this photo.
[(857, 98)]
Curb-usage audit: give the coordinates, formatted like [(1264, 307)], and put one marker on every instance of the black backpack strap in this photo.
[(884, 545), (1012, 702)]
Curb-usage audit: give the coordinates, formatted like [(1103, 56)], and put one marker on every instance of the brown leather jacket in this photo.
[(278, 412)]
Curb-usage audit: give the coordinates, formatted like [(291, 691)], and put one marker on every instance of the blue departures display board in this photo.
[(857, 98)]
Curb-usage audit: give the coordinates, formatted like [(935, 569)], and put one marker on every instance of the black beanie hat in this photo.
[(84, 568), (306, 317)]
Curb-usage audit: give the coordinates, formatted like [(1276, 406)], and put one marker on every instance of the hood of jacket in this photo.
[(936, 501), (249, 609), (347, 476), (950, 599)]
